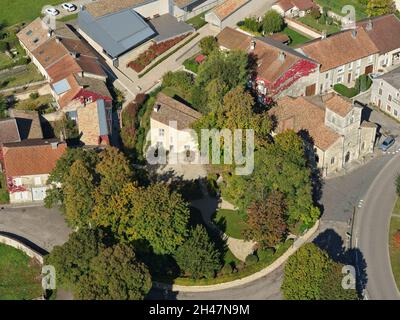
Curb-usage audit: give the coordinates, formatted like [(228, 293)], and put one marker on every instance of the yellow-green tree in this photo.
[(380, 7)]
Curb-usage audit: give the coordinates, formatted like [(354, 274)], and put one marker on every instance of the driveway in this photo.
[(44, 227)]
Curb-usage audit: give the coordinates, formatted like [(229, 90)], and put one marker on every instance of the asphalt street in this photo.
[(371, 232)]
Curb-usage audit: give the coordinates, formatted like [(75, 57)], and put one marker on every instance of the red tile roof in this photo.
[(228, 7), (31, 157), (384, 31)]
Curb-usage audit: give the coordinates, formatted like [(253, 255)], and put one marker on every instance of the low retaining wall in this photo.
[(302, 28), (228, 285), (20, 246)]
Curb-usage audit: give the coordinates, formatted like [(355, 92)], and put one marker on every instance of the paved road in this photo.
[(371, 232), (44, 227), (266, 288)]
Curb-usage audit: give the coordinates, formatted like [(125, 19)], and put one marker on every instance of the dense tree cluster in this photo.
[(95, 268), (380, 7), (310, 274)]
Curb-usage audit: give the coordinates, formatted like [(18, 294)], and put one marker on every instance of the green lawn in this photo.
[(191, 65), (230, 222), (69, 17), (5, 61), (40, 104), (16, 11), (198, 21), (313, 23), (395, 252), (295, 37), (19, 275), (337, 5), (345, 91), (26, 77)]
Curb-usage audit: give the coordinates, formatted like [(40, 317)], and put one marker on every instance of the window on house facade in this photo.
[(350, 66), (388, 108), (340, 79), (161, 132), (327, 75), (38, 181), (395, 112), (340, 69), (370, 59), (333, 160), (389, 97), (380, 92)]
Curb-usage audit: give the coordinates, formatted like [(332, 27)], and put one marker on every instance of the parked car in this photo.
[(387, 143), (52, 11), (69, 7)]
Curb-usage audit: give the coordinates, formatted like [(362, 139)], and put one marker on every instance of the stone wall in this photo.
[(20, 246)]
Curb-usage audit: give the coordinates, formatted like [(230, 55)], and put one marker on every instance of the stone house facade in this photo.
[(332, 126)]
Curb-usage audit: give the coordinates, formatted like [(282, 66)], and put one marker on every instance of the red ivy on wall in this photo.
[(12, 187)]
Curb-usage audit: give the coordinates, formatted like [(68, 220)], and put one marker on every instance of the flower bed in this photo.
[(155, 50)]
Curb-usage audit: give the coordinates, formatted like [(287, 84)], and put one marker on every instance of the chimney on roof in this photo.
[(157, 107), (252, 45), (58, 39), (282, 56), (323, 35), (354, 33), (74, 54), (54, 145), (50, 33), (369, 25)]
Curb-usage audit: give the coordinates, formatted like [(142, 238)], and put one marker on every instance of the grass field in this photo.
[(337, 5), (16, 11), (313, 23), (295, 37), (26, 77), (395, 252), (198, 21), (19, 275), (230, 222)]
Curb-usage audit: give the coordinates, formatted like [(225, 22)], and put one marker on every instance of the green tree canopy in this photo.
[(266, 220), (78, 190), (228, 69), (272, 22), (54, 196), (3, 107), (208, 45), (115, 274), (154, 214), (310, 274), (198, 257), (380, 7), (72, 259), (278, 166)]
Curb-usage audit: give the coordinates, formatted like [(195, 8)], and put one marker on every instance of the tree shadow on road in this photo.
[(332, 243)]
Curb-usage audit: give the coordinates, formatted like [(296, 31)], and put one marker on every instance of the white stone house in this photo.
[(331, 125), (27, 166), (293, 8), (170, 126), (343, 57), (385, 93)]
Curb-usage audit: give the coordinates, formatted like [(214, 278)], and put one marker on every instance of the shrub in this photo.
[(251, 259), (272, 22), (396, 239), (345, 91), (4, 46), (315, 13), (226, 270), (208, 45), (398, 184), (363, 83), (34, 95), (265, 255), (251, 24)]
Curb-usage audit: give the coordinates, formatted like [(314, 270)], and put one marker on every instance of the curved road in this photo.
[(371, 233)]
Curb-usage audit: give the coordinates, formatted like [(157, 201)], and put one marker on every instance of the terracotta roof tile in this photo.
[(104, 7), (384, 33), (34, 34), (173, 110), (28, 124), (49, 52), (300, 114), (228, 7), (9, 131), (340, 48), (338, 104), (31, 157)]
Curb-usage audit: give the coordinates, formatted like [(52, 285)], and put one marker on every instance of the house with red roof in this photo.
[(27, 166)]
